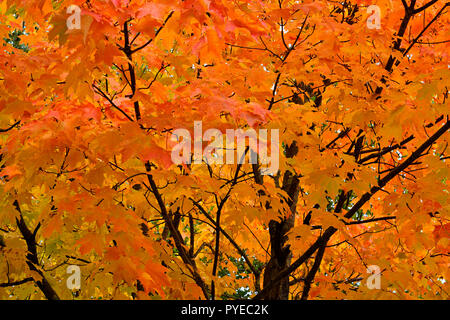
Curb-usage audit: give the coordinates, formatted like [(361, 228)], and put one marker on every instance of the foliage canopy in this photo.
[(86, 171)]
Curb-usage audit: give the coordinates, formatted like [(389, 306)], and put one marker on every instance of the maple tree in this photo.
[(86, 117)]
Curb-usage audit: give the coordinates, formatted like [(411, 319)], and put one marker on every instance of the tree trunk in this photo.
[(280, 259), (280, 253)]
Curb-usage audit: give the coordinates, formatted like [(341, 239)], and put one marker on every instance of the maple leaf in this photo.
[(87, 119)]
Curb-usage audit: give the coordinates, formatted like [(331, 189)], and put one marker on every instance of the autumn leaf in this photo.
[(359, 160)]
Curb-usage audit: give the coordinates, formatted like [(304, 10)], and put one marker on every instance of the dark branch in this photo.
[(156, 34), (15, 283), (364, 199), (32, 257), (11, 127)]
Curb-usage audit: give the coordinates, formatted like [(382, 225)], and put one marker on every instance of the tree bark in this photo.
[(280, 253)]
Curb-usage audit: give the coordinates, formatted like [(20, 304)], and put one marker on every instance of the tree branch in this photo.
[(364, 199), (424, 29), (16, 283), (32, 257), (312, 273), (188, 261), (156, 34), (11, 127), (371, 220), (229, 238), (429, 4)]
